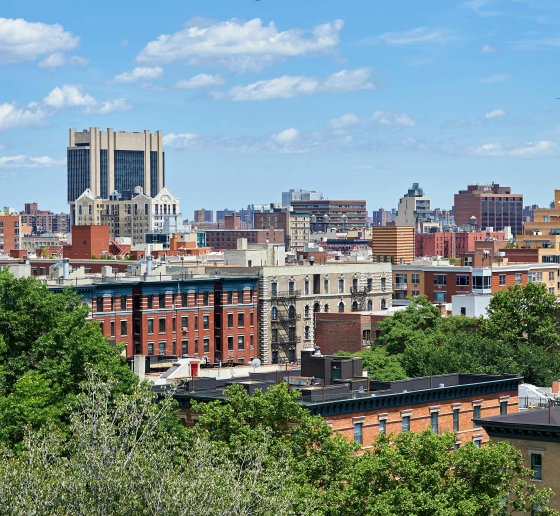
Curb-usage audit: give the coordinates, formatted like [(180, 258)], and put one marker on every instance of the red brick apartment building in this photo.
[(211, 318), (334, 388), (10, 233), (449, 244)]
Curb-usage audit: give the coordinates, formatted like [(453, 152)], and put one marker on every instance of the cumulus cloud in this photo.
[(413, 36), (202, 80), (496, 113), (139, 73), (287, 136), (487, 49), (380, 118), (521, 150), (21, 40), (289, 86), (239, 45), (21, 161), (179, 141), (493, 79), (60, 98), (59, 59)]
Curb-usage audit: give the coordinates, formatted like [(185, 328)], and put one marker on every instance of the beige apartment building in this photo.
[(290, 295)]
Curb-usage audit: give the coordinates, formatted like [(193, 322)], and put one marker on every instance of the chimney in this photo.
[(65, 268), (149, 265)]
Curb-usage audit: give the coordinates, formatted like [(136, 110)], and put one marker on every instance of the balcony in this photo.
[(284, 318), (401, 286), (286, 293)]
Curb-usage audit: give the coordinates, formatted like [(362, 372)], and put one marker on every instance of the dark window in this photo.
[(150, 348), (358, 432), (382, 426), (184, 323), (251, 318), (230, 297), (112, 328), (241, 342), (476, 415), (184, 300), (137, 302), (206, 298), (230, 343), (78, 172), (136, 326), (240, 319), (153, 173), (162, 325), (129, 170), (240, 297), (162, 300), (173, 347), (162, 348), (206, 344), (230, 320), (405, 424), (503, 408), (455, 420), (462, 280), (173, 324), (196, 346), (150, 302), (196, 322), (99, 304), (440, 279), (123, 303), (185, 347), (536, 465), (150, 326), (206, 322), (123, 329), (434, 422)]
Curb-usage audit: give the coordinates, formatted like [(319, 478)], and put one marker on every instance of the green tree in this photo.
[(44, 252), (523, 313), (379, 364), (46, 344)]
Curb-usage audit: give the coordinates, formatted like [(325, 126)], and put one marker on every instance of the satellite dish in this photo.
[(255, 363)]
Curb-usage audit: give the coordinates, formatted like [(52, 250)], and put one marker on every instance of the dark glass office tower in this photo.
[(108, 161)]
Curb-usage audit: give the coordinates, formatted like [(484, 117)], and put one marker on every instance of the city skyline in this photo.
[(253, 99)]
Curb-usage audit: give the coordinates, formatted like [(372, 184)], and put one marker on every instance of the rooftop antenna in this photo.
[(255, 363)]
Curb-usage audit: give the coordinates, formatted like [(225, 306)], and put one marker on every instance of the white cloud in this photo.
[(179, 141), (286, 136), (22, 161), (21, 40), (379, 118), (143, 73), (494, 78), (109, 106), (68, 96), (202, 80), (477, 6), (59, 59), (521, 150), (239, 45), (418, 35), (289, 86), (496, 113), (487, 49), (30, 116)]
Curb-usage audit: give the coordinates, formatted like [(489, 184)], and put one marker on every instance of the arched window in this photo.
[(383, 304), (341, 307), (292, 312), (355, 306), (306, 311), (370, 304), (274, 313), (306, 333), (316, 308), (326, 308)]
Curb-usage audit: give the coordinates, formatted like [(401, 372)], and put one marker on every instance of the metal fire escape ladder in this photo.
[(285, 323)]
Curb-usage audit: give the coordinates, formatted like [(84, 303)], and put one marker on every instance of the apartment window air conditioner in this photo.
[(184, 329)]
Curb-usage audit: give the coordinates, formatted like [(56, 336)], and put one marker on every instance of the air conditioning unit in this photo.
[(184, 329)]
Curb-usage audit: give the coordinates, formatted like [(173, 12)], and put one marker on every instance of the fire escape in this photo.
[(359, 297), (284, 318)]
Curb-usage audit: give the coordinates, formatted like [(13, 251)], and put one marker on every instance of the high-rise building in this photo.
[(295, 227), (414, 207), (296, 194), (44, 221), (203, 215), (491, 205), (108, 161), (342, 215), (381, 217)]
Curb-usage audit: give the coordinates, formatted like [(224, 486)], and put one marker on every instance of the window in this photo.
[(123, 303), (383, 284), (482, 282), (230, 298), (456, 420), (184, 300), (274, 335), (358, 432), (136, 326), (196, 346), (150, 302), (440, 297), (184, 323), (340, 286), (240, 297), (112, 328), (503, 408), (185, 347), (162, 348), (240, 320), (325, 286), (401, 279), (206, 345), (369, 284), (150, 348), (476, 415), (341, 307), (99, 304), (535, 277), (478, 443), (230, 320), (326, 308), (123, 329), (551, 275), (150, 326), (415, 279), (463, 310), (206, 298), (536, 465), (274, 288), (440, 279), (518, 278), (196, 299), (162, 325), (206, 322), (241, 342), (306, 287), (162, 300), (382, 426), (230, 343), (173, 324), (462, 280), (502, 280), (251, 315), (551, 290), (196, 322), (370, 304), (306, 333), (292, 287), (434, 420), (405, 424)]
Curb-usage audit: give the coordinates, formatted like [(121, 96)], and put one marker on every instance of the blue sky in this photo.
[(357, 99)]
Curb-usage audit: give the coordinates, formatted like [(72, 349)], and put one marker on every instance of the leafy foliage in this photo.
[(379, 364)]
